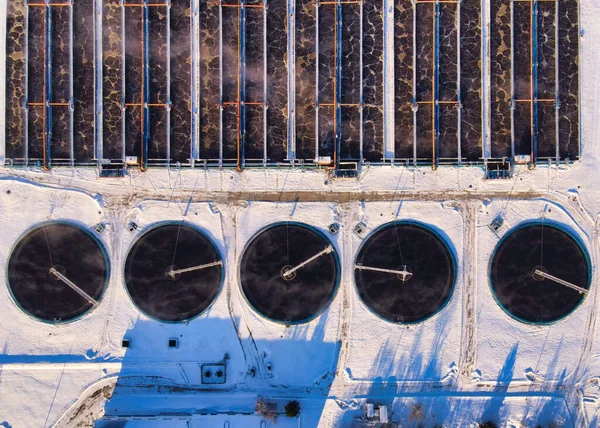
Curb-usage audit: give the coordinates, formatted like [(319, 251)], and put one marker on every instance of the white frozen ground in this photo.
[(470, 362)]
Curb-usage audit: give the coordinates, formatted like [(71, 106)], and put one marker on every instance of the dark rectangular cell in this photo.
[(326, 131), (133, 55), (112, 82), (522, 46), (448, 53), (255, 85), (60, 143), (327, 53), (277, 96), (522, 128), (35, 132), (568, 49), (157, 55), (181, 80), (133, 131), (306, 72), (403, 79), (350, 134), (231, 54), (425, 51), (372, 40), (350, 76), (546, 50), (36, 78), (36, 44), (60, 45), (15, 79), (546, 136), (157, 141), (373, 133), (471, 143), (425, 29), (83, 81), (230, 133), (448, 132), (500, 71), (254, 55), (254, 136), (425, 132), (209, 80)]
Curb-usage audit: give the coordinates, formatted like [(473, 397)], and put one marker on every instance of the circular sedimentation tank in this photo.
[(289, 272), (173, 272), (404, 272), (58, 271), (532, 268)]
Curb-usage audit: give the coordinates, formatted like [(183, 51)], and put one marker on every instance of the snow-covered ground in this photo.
[(469, 362)]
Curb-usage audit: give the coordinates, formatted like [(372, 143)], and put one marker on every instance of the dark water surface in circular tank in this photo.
[(523, 250), (72, 251), (424, 254), (177, 247), (295, 299)]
